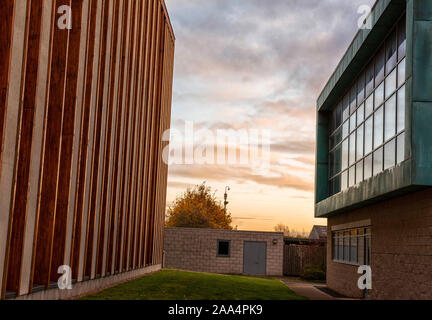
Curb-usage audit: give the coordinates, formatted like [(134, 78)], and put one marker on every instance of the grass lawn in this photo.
[(183, 285)]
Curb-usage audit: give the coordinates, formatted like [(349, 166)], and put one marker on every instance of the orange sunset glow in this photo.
[(246, 65)]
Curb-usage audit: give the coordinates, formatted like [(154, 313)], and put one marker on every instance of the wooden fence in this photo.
[(296, 257)]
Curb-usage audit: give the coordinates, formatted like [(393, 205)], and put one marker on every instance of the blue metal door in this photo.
[(254, 258)]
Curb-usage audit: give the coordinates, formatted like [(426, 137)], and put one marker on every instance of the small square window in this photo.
[(224, 248)]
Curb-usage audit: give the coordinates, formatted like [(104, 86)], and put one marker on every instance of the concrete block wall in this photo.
[(401, 249), (196, 250)]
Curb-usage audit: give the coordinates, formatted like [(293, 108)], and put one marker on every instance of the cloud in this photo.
[(179, 184), (242, 175), (252, 218), (257, 64)]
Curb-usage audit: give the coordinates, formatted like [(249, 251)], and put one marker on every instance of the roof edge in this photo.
[(357, 44), (167, 16)]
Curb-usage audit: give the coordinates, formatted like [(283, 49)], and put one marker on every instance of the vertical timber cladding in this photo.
[(121, 123), (44, 235), (17, 221), (151, 170), (105, 218), (7, 11), (128, 135), (83, 143), (113, 255), (91, 218), (165, 119), (61, 215), (146, 131), (82, 178)]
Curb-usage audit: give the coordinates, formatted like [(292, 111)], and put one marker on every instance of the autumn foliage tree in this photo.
[(198, 208)]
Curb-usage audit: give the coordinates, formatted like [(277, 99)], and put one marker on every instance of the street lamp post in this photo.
[(226, 197)]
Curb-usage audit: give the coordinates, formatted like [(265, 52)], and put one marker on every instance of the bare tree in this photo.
[(282, 228), (290, 233)]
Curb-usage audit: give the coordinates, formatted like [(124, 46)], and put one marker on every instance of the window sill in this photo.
[(354, 264)]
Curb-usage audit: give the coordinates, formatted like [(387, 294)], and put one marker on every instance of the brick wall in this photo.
[(196, 250), (401, 249)]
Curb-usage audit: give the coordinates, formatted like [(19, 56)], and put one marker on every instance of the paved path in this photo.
[(308, 289)]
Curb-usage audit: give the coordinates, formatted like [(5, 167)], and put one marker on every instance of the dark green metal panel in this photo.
[(322, 147), (422, 143), (423, 9), (421, 118)]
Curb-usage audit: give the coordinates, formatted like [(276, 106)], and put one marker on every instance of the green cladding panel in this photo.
[(421, 140), (416, 171)]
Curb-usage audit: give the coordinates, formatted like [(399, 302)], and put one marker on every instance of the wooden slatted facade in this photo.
[(82, 114)]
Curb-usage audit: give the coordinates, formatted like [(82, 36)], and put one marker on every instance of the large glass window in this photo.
[(379, 95), (368, 123), (360, 143), (369, 105), (335, 240), (401, 38), (353, 122), (401, 73), (345, 154), (368, 167), (378, 161), (360, 115), (400, 148), (369, 79), (369, 135), (346, 245), (390, 84), (391, 54), (378, 127), (361, 89), (401, 110), (351, 177), (340, 245), (361, 246), (352, 149), (359, 171), (344, 180), (353, 99), (345, 108), (390, 154), (379, 66), (352, 246), (390, 118)]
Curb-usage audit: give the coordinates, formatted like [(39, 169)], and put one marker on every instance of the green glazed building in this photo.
[(374, 155)]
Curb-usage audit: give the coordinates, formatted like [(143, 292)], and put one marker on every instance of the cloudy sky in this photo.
[(257, 65)]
